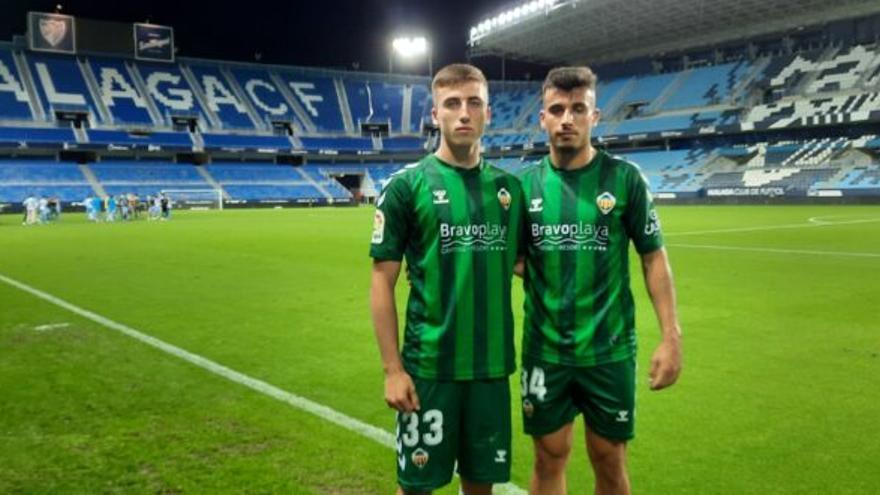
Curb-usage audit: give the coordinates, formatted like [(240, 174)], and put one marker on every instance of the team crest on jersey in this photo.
[(606, 202), (440, 197), (536, 205), (378, 227), (420, 458), (504, 198), (528, 408)]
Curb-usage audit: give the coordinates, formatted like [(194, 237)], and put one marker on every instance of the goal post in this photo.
[(196, 199)]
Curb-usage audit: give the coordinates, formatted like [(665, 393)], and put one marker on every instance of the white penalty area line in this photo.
[(378, 435), (812, 222), (776, 251)]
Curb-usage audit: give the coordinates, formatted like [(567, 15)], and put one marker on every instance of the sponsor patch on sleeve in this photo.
[(378, 227)]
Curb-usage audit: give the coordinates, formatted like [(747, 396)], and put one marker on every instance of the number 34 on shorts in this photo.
[(532, 384)]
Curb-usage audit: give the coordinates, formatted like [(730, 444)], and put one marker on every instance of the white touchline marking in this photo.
[(778, 251), (828, 219), (772, 227), (51, 326), (378, 435), (819, 221)]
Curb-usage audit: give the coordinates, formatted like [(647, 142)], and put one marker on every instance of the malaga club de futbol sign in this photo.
[(51, 32)]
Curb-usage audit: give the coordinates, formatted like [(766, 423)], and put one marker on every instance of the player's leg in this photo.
[(428, 439), (606, 396), (608, 458), (551, 456), (401, 491), (548, 412), (484, 453)]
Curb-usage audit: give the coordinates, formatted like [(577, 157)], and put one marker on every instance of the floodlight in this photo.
[(410, 47)]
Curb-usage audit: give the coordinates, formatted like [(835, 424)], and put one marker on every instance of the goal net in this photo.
[(195, 199)]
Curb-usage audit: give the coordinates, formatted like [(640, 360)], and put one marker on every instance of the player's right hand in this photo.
[(400, 392)]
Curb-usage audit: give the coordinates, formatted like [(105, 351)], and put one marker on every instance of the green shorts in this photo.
[(464, 421), (553, 395)]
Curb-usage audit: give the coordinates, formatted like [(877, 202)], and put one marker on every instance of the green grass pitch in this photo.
[(779, 394)]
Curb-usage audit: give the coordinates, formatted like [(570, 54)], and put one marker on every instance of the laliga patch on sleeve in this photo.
[(378, 227)]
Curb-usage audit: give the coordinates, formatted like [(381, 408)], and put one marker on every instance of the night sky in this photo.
[(353, 35)]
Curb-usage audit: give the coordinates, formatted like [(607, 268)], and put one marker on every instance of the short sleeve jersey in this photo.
[(579, 309), (460, 233)]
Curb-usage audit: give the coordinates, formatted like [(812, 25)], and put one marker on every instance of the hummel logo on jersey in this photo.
[(501, 456), (606, 202), (537, 205), (622, 416), (504, 198), (440, 197)]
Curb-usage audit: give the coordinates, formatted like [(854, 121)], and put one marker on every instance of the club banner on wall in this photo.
[(153, 42), (51, 32)]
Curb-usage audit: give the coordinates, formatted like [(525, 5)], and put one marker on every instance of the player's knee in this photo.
[(474, 488), (550, 459), (609, 461)]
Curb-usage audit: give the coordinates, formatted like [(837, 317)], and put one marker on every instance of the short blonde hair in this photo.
[(455, 74)]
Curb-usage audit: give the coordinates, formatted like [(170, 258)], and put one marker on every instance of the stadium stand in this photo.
[(375, 101), (15, 103), (264, 182), (750, 122), (41, 177)]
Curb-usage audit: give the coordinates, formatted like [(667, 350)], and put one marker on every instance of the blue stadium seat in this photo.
[(317, 95), (306, 192), (707, 86), (265, 97), (375, 101), (243, 173), (647, 88), (216, 141), (13, 94), (37, 177), (421, 106), (169, 140), (340, 144), (39, 172), (221, 98), (606, 92), (61, 84), (170, 92), (156, 175), (43, 136), (119, 93), (509, 102), (67, 194), (403, 144)]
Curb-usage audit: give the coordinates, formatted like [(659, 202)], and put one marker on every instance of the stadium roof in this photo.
[(601, 31)]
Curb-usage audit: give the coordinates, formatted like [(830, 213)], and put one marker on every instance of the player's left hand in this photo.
[(666, 364)]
